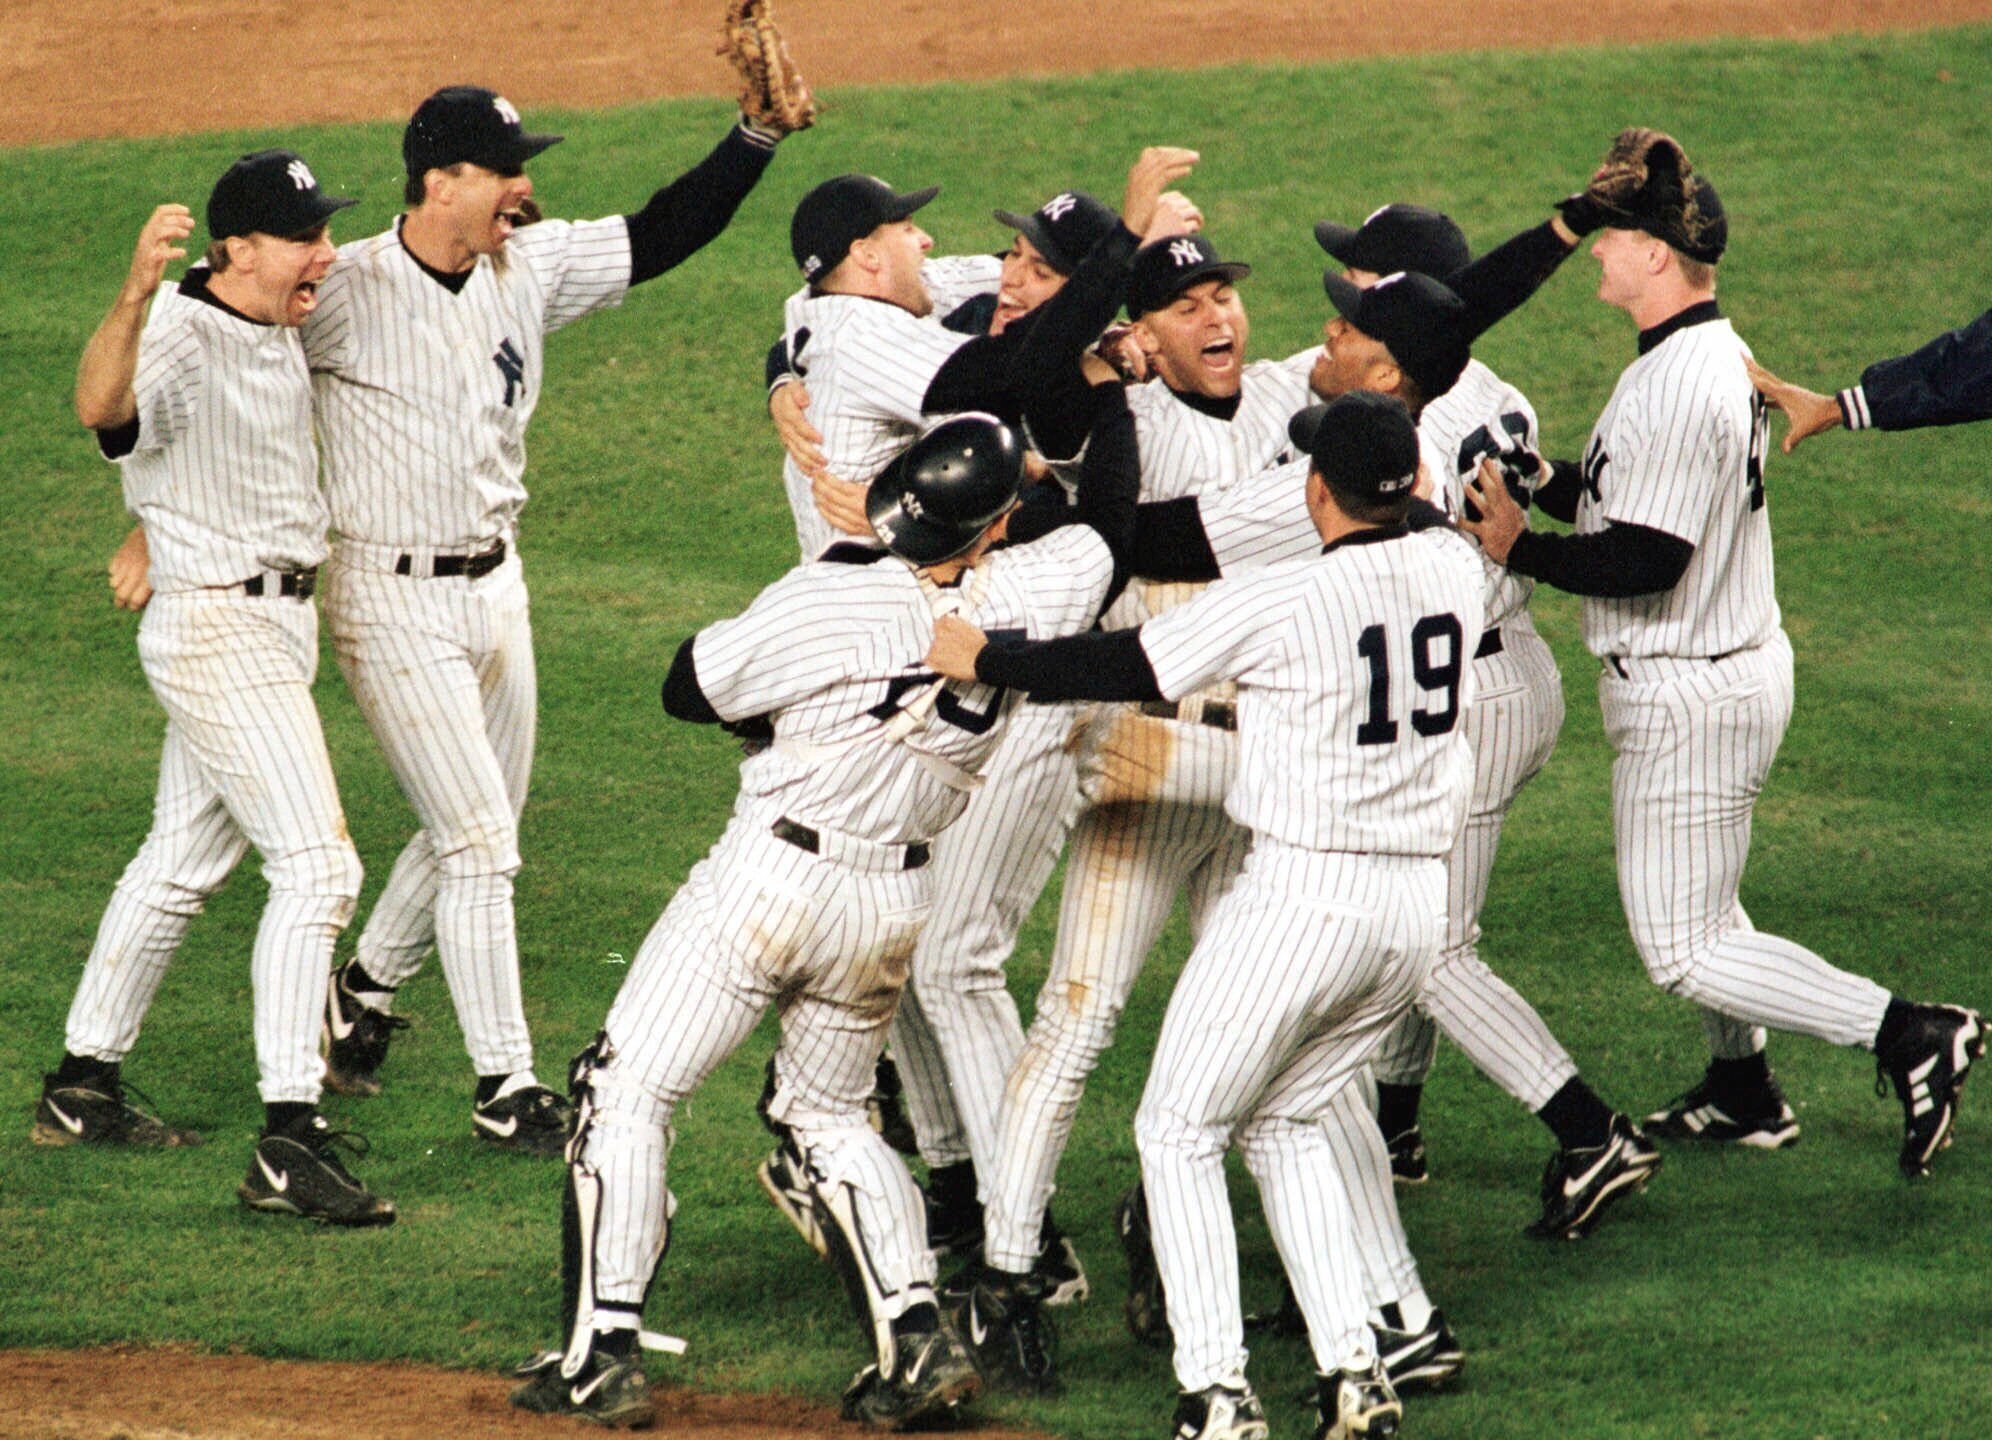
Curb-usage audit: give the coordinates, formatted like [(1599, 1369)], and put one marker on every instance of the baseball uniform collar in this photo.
[(1694, 315), (1218, 407), (451, 280), (194, 285), (1374, 535)]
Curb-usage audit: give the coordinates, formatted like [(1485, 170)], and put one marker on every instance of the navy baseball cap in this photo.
[(1398, 237), (841, 211), (1064, 228), (1165, 268), (1420, 321), (468, 122), (272, 192), (1691, 219), (1363, 442)]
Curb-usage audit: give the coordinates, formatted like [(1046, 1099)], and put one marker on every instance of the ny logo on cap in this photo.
[(1058, 207), (1185, 252), (504, 109), (301, 176)]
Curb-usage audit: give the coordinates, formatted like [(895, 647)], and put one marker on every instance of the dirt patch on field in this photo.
[(173, 1394), (76, 68)]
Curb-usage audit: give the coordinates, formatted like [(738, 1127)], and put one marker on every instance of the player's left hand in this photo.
[(1150, 176), (841, 503), (1808, 410), (956, 644), (1501, 520), (131, 572)]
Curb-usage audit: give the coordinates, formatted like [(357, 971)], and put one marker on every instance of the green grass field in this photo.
[(1806, 1294)]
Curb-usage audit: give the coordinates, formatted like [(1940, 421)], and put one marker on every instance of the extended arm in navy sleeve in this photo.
[(1496, 284), (1947, 382), (1619, 561), (691, 210), (1095, 665), (1109, 484), (1557, 496)]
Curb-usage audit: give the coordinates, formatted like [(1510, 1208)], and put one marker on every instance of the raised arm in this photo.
[(104, 398)]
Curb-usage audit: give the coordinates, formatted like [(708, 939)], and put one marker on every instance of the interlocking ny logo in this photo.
[(512, 365), (504, 109), (301, 176), (1184, 252), (1059, 206)]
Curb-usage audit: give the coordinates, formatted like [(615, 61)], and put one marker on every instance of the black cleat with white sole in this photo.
[(1756, 1118), (355, 1038), (1357, 1405), (1219, 1412), (932, 1377), (1927, 1064), (97, 1111), (297, 1171), (532, 1120), (1578, 1185), (610, 1390)]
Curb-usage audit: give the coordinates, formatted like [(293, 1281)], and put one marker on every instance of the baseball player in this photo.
[(199, 392), (427, 352), (1352, 675), (813, 898), (1946, 382), (1672, 554)]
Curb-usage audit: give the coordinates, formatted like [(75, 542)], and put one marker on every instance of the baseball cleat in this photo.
[(781, 1175), (355, 1038), (532, 1120), (932, 1377), (611, 1391), (1928, 1065), (1423, 1359), (1147, 1308), (1357, 1405), (1219, 1412), (1058, 1270), (1759, 1119), (97, 1112), (1578, 1185), (1000, 1318), (1407, 1157), (297, 1171)]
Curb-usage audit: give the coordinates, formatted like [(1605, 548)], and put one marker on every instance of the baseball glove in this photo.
[(773, 96), (1644, 173)]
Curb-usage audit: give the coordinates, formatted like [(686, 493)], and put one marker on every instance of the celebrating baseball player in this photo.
[(1352, 676), (427, 355), (814, 897), (1672, 554), (199, 391)]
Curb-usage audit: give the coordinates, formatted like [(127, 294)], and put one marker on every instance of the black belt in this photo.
[(804, 838), (444, 566), (296, 584), (1218, 714), (1490, 643)]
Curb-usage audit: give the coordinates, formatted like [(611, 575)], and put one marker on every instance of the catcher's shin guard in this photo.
[(837, 1219)]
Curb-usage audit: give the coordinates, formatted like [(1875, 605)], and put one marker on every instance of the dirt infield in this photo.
[(164, 67)]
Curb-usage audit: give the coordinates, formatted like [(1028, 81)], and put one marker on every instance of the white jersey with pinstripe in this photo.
[(1697, 691), (1353, 676), (223, 475), (423, 396)]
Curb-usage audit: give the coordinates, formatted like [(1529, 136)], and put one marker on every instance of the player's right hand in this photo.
[(131, 572), (1175, 214), (841, 503), (956, 644), (1159, 167), (158, 245), (802, 440)]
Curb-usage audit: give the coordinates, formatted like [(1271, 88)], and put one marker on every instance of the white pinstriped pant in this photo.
[(1512, 725), (760, 922), (1128, 861), (244, 764), (957, 1032), (1694, 741), (1307, 961), (442, 669)]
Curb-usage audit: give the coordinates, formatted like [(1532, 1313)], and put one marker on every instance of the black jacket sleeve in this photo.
[(1096, 665), (1947, 382), (1619, 561), (679, 219), (1496, 284)]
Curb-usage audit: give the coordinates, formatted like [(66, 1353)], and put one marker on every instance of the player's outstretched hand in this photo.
[(131, 572), (788, 408), (1159, 167), (956, 644), (1808, 410), (1501, 520), (841, 503), (159, 243), (1175, 214)]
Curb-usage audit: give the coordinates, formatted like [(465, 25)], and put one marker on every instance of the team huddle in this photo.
[(1078, 576)]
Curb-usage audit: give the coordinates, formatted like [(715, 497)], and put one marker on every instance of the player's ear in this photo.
[(241, 253)]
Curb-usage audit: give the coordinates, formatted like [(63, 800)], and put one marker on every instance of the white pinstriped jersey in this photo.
[(954, 280), (424, 394), (223, 474), (1353, 672), (833, 651), (1455, 433), (1680, 448)]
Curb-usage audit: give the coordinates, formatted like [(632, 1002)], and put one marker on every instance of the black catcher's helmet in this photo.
[(937, 498)]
